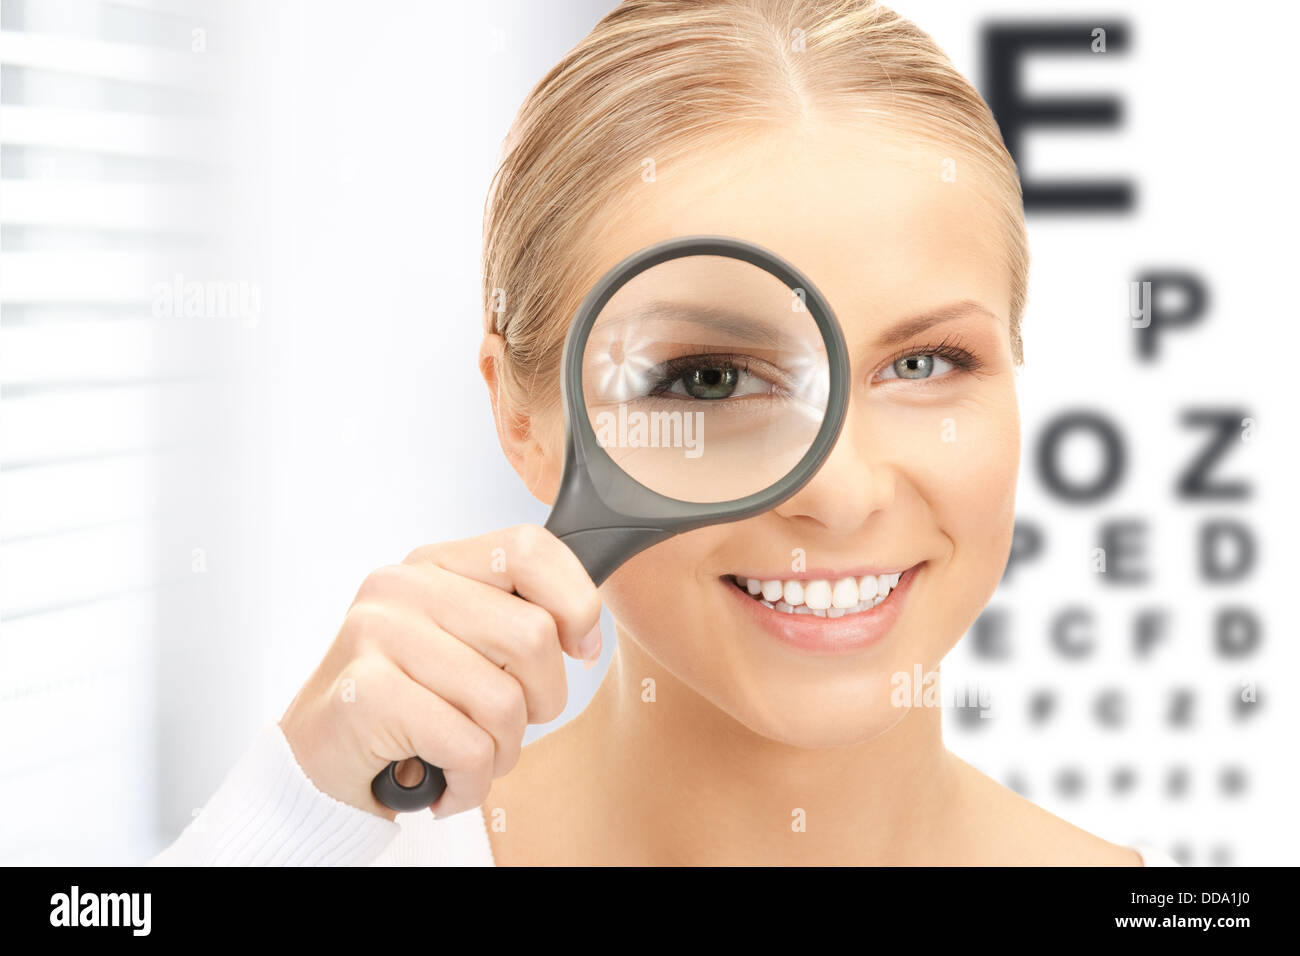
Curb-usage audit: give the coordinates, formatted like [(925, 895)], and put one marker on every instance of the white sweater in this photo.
[(267, 812)]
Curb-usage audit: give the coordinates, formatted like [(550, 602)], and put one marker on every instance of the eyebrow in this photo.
[(746, 330), (742, 326), (917, 324)]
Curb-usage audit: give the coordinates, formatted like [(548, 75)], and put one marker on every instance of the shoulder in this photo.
[(1014, 831), (1154, 856), (538, 811)]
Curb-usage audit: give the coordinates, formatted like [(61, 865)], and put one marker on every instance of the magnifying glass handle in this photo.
[(395, 796)]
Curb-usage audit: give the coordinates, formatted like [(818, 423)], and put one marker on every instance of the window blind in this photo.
[(106, 151)]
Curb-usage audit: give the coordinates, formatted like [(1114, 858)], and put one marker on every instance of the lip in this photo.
[(828, 635), (823, 574)]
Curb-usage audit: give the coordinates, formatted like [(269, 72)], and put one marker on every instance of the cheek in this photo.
[(966, 474), (672, 609), (653, 586), (975, 492), (638, 584)]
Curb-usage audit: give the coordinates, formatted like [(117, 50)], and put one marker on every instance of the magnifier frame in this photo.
[(604, 514)]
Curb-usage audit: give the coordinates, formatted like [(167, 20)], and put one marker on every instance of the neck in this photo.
[(712, 791)]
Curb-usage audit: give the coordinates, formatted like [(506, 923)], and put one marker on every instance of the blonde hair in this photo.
[(664, 78)]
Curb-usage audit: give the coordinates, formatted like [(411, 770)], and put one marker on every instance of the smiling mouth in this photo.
[(820, 597)]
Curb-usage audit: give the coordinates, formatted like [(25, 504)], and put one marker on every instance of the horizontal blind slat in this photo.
[(39, 574), (127, 350), (64, 497), (48, 647), (128, 134), (87, 277), (130, 63), (106, 205), (98, 422)]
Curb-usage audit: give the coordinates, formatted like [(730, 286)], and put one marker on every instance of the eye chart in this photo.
[(1130, 674)]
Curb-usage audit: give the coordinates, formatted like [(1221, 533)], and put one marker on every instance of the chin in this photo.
[(807, 707), (812, 727)]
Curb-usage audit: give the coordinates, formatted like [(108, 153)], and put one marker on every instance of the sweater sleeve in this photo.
[(267, 812)]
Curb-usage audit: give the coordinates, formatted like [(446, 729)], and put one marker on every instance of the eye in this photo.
[(714, 378), (718, 382), (916, 365)]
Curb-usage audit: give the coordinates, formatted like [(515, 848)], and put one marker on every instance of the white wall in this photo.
[(367, 147)]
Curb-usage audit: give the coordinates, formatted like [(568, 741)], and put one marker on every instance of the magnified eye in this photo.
[(710, 382), (920, 365), (709, 378)]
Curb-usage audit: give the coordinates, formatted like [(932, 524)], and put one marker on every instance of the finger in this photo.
[(418, 723), (531, 562), (440, 662), (512, 633)]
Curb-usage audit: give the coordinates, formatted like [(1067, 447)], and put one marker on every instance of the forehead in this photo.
[(866, 213)]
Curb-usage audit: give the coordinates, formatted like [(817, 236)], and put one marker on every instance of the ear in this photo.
[(530, 443)]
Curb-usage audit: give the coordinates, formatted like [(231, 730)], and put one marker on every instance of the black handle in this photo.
[(408, 799)]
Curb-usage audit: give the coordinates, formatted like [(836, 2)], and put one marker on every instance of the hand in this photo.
[(448, 656)]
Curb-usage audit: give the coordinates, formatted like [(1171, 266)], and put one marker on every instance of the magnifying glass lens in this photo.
[(705, 378)]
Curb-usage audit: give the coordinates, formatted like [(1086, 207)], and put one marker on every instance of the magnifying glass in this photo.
[(704, 380)]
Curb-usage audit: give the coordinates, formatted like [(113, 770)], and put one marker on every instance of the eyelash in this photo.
[(948, 348), (670, 372)]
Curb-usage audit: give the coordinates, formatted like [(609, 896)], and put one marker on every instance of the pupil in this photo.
[(711, 382), (914, 366)]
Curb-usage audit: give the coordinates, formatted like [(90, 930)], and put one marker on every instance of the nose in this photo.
[(854, 482)]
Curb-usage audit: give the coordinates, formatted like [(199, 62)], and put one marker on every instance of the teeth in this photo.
[(822, 597), (817, 595), (844, 593), (793, 592)]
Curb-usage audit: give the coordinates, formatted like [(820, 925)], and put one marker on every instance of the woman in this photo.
[(838, 135)]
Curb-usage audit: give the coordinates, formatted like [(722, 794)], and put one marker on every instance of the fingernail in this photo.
[(589, 647)]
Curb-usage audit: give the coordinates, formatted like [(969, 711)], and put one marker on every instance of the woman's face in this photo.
[(922, 479)]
